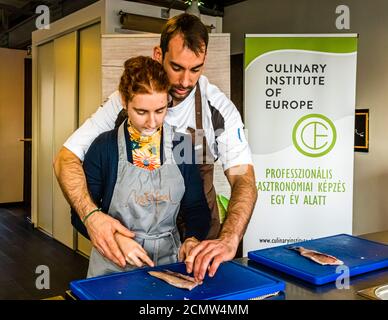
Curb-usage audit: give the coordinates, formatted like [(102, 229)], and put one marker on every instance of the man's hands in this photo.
[(208, 255), (101, 228), (133, 252)]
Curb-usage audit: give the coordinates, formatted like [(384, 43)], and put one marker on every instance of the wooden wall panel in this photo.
[(45, 77), (110, 79), (11, 124), (89, 95), (65, 122), (118, 48), (89, 71)]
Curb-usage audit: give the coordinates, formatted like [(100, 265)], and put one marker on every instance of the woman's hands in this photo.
[(186, 247), (133, 252)]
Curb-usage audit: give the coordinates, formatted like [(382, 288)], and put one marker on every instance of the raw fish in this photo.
[(318, 257), (176, 279)]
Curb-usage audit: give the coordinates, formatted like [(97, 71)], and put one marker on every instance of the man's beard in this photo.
[(178, 97)]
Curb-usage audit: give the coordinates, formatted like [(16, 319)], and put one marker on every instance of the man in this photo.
[(196, 104), (134, 176)]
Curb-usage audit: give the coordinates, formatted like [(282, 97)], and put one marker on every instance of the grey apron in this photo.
[(147, 203)]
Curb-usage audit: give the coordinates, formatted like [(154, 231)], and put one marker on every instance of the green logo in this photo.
[(314, 135)]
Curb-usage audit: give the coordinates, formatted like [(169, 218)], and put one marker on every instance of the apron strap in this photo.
[(198, 108), (198, 135), (122, 145), (206, 169), (167, 144)]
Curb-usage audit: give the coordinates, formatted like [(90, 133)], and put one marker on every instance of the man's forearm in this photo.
[(71, 178), (241, 204)]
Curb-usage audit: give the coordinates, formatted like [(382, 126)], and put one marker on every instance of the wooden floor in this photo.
[(23, 249)]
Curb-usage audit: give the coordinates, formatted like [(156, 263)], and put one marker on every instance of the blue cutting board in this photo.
[(232, 281), (359, 255)]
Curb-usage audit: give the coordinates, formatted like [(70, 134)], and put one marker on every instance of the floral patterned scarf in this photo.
[(145, 149)]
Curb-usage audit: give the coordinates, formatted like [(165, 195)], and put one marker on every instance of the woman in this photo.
[(133, 174)]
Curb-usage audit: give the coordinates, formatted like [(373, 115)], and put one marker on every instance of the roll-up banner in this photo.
[(299, 116)]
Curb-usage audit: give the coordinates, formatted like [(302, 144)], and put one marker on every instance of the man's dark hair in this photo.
[(194, 33)]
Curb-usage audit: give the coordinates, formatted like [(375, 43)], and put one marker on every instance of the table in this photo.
[(297, 289)]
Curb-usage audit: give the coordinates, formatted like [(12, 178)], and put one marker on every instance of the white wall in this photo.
[(106, 11), (113, 7), (370, 20), (11, 124)]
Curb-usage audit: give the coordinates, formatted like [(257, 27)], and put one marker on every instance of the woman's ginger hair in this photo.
[(142, 75)]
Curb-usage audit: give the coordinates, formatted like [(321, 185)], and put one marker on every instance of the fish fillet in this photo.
[(318, 257), (176, 279), (183, 276)]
